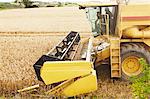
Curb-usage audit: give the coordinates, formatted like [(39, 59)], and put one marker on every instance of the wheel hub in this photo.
[(131, 66)]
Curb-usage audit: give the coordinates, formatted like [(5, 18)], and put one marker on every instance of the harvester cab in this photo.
[(101, 18)]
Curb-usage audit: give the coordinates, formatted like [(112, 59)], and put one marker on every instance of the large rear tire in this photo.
[(130, 55)]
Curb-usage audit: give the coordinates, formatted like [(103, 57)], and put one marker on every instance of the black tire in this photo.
[(133, 49)]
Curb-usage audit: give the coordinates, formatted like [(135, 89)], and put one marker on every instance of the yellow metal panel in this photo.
[(135, 14), (135, 10), (84, 85), (57, 71), (101, 55), (147, 41), (127, 24)]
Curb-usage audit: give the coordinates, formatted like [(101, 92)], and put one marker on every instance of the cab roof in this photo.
[(96, 4)]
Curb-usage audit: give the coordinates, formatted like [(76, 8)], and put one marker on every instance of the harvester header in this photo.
[(58, 67)]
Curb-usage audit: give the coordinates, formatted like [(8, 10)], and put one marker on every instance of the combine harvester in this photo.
[(124, 38)]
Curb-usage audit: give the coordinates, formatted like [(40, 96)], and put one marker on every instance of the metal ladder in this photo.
[(115, 57)]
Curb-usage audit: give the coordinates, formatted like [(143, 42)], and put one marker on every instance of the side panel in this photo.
[(137, 14), (101, 55), (146, 41), (57, 71), (82, 85)]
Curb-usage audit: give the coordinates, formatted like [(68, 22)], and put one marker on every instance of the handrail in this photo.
[(104, 21)]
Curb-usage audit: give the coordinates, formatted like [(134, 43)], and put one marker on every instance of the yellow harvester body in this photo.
[(124, 39)]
